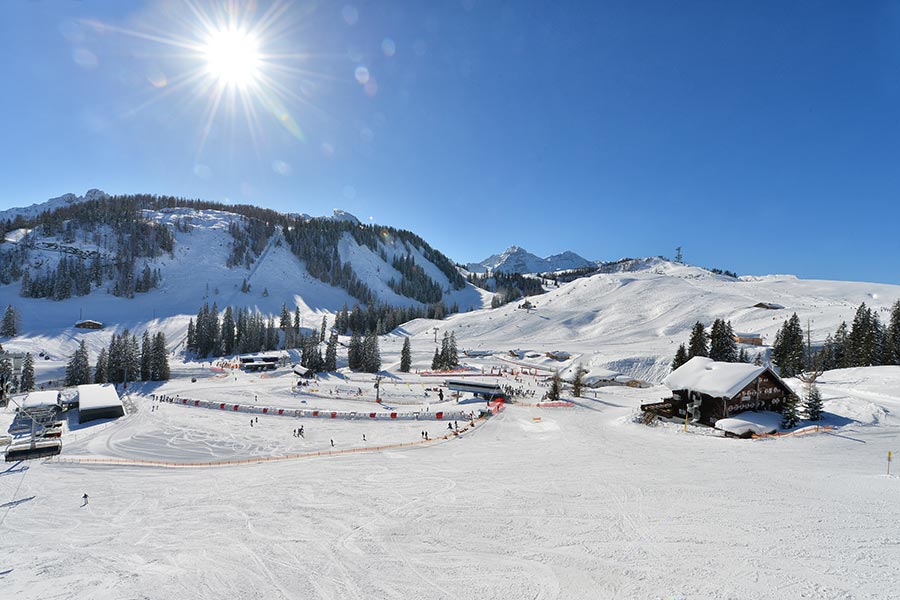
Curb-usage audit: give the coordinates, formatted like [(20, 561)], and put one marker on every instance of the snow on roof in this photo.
[(41, 399), (747, 335), (717, 379), (97, 395)]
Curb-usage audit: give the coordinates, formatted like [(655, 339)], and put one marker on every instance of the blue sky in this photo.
[(760, 136)]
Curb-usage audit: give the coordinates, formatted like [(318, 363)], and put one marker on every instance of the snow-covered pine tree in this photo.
[(145, 355), (813, 403), (27, 382), (698, 344), (372, 354), (863, 341), (681, 357), (9, 327), (78, 369), (405, 356), (324, 328), (228, 331), (6, 376), (101, 368), (789, 416), (787, 351), (722, 346)]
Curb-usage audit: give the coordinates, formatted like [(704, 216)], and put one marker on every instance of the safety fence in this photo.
[(87, 460), (803, 431), (309, 413)]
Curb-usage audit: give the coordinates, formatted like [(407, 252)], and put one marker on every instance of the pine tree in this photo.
[(228, 331), (863, 342), (324, 328), (6, 375), (27, 383), (452, 352), (813, 403), (405, 356), (789, 416), (840, 350), (681, 357), (787, 351), (101, 368), (742, 356), (722, 346), (9, 327), (697, 346), (371, 353), (436, 361), (555, 387), (355, 352), (331, 352), (191, 337), (145, 356), (159, 361), (578, 381), (132, 357), (893, 336), (78, 369)]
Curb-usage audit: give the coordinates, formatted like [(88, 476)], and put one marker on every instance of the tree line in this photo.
[(124, 360)]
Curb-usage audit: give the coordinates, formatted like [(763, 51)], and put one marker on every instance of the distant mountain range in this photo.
[(34, 210), (518, 260)]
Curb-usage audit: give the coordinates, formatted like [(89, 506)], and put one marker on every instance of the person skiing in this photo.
[(251, 422), (301, 431), (84, 499), (332, 443), (364, 437), (441, 395)]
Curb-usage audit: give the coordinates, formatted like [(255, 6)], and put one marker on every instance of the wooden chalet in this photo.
[(753, 339), (710, 390), (88, 324)]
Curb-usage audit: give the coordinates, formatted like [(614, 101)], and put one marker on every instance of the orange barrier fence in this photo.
[(804, 431)]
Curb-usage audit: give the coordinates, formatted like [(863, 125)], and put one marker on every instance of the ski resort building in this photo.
[(259, 363), (89, 324), (98, 401), (711, 390), (753, 339)]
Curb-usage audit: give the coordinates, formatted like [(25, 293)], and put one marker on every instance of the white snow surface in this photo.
[(718, 379), (41, 399), (752, 422), (580, 502)]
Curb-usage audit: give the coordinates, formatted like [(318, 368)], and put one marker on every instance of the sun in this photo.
[(232, 57)]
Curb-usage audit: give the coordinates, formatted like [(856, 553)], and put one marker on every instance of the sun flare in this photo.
[(232, 57)]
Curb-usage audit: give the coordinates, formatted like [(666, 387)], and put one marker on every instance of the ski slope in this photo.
[(582, 503)]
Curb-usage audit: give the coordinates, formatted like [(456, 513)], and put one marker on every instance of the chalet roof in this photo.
[(717, 379), (41, 399), (747, 335), (97, 395)]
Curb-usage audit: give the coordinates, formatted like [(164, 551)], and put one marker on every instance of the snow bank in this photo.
[(750, 422)]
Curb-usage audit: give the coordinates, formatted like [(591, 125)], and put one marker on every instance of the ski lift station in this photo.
[(98, 401), (488, 391), (259, 363)]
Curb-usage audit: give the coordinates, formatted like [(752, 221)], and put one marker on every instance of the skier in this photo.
[(449, 426), (301, 431), (332, 443), (441, 395), (84, 499), (364, 437)]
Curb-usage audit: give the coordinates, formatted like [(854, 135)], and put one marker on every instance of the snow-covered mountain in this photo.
[(631, 321), (518, 260), (27, 212)]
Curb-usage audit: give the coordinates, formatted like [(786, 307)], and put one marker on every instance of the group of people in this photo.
[(299, 432)]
